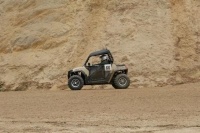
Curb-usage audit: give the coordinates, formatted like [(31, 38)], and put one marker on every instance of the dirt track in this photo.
[(159, 110)]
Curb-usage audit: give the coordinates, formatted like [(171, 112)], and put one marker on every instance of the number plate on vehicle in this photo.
[(108, 67)]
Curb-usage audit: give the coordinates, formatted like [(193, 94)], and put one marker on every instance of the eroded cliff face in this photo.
[(40, 40), (186, 38)]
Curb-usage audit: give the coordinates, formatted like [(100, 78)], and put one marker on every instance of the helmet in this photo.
[(104, 57)]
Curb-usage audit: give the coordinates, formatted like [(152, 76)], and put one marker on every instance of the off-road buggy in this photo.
[(99, 68)]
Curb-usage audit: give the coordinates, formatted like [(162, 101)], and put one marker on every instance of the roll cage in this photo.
[(101, 52)]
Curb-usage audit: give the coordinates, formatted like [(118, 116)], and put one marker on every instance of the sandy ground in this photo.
[(148, 110)]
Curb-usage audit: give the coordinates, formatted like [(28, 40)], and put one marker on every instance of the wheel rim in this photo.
[(75, 83), (122, 81)]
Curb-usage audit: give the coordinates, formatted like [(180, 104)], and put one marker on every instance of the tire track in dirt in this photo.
[(59, 126)]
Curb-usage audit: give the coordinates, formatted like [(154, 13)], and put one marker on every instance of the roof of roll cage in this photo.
[(101, 52)]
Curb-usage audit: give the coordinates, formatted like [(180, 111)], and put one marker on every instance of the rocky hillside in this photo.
[(40, 40)]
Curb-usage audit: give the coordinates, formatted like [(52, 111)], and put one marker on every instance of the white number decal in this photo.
[(108, 67)]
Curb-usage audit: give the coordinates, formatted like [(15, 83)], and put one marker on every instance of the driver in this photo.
[(104, 59)]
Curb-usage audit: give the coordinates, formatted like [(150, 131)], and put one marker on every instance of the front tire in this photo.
[(75, 82), (121, 81)]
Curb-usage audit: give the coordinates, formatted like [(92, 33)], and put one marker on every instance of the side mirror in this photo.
[(89, 64)]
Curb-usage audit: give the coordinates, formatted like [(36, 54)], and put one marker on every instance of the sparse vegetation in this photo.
[(2, 86)]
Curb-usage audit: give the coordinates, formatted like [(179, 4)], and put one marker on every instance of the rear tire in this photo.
[(75, 82), (121, 81)]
